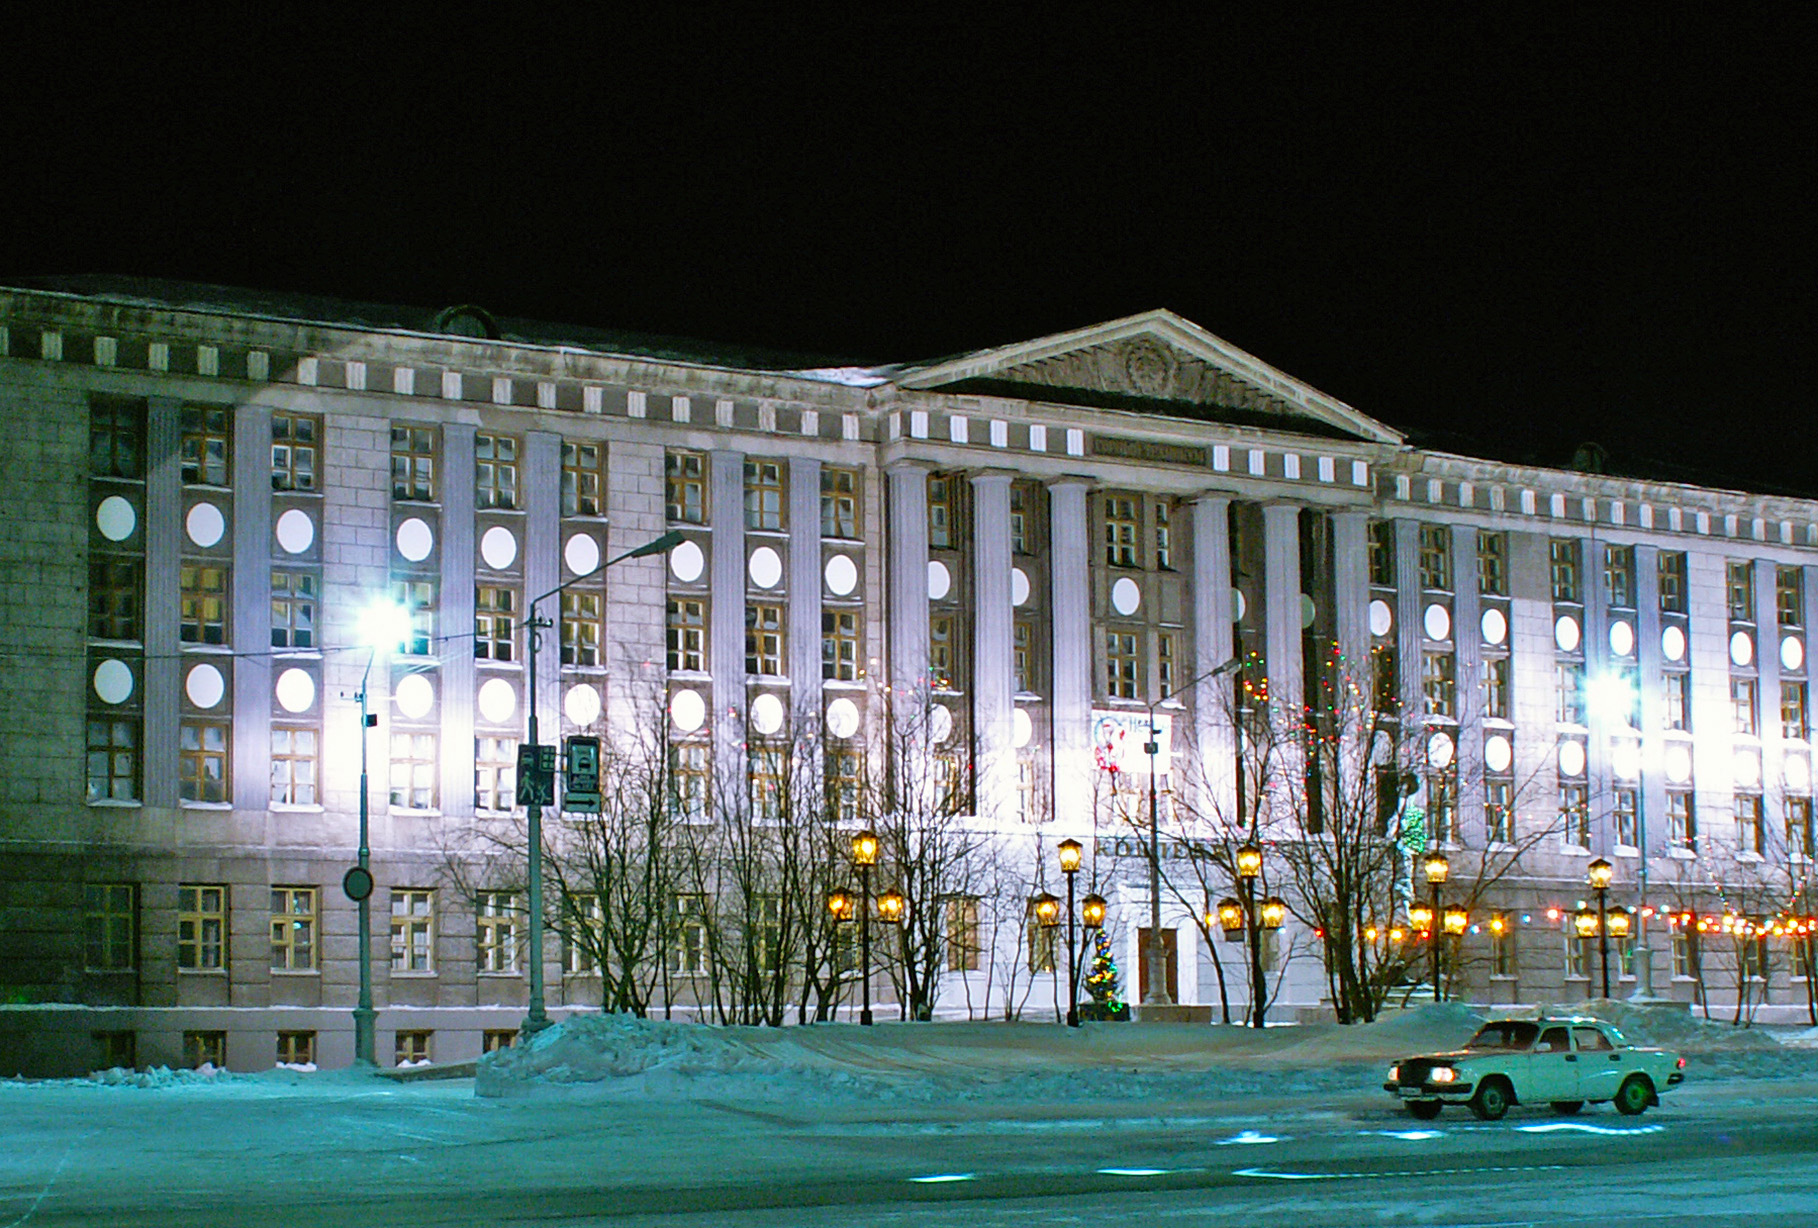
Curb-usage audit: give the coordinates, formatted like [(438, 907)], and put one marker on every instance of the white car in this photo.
[(1562, 1062)]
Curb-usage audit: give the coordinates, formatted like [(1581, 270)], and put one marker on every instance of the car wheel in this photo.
[(1567, 1107), (1491, 1100), (1426, 1110), (1635, 1094)]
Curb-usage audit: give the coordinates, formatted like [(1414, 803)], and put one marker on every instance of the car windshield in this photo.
[(1516, 1034)]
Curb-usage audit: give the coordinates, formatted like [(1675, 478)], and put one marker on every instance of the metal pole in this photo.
[(1156, 956), (364, 1016), (1072, 961), (538, 1017), (865, 938), (1433, 934), (1259, 990), (1603, 937)]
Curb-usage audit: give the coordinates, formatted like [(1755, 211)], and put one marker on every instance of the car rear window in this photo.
[(1510, 1034)]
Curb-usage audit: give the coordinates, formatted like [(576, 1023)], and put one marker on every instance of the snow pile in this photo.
[(162, 1076)]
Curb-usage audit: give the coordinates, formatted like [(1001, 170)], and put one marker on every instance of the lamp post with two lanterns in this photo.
[(1437, 868), (1246, 916), (1600, 873), (1071, 852)]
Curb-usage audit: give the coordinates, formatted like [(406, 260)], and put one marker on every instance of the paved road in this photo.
[(431, 1154)]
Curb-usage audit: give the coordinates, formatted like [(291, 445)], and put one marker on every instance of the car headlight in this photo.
[(1443, 1074), (1395, 1074)]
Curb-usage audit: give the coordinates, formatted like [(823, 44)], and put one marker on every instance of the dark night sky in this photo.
[(1508, 231)]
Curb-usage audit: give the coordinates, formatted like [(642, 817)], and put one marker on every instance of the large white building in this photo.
[(1030, 545)]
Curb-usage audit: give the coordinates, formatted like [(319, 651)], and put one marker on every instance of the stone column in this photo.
[(1281, 630), (454, 619), (1070, 580), (1599, 722), (1351, 627), (1214, 733), (251, 608), (1467, 645), (804, 580), (1767, 688), (906, 588), (726, 617), (1650, 793), (636, 593), (993, 678), (163, 550), (1408, 596), (542, 487)]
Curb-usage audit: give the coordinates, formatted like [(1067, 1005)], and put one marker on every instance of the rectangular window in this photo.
[(685, 486), (495, 771), (940, 652), (688, 780), (412, 1048), (116, 438), (940, 514), (1751, 824), (1789, 595), (840, 645), (1020, 541), (688, 955), (1568, 682), (293, 766), (418, 599), (1164, 537), (413, 463), (111, 924), (1436, 557), (1495, 688), (1682, 821), (839, 502), (201, 927), (1793, 725), (1385, 679), (1022, 656), (294, 597), (1562, 556), (202, 602), (764, 783), (295, 439), (963, 939), (116, 594), (202, 760), (1578, 959), (293, 929), (496, 944), (1575, 814), (582, 486), (203, 450), (687, 635), (582, 628), (1672, 582), (583, 929), (1442, 807), (204, 1049), (494, 1039), (1742, 705), (1739, 590), (1752, 958), (1165, 672), (845, 778), (763, 494), (1122, 527), (1121, 665), (113, 758), (1619, 577), (1382, 553), (1682, 956), (494, 623), (764, 640), (1438, 683), (1678, 708), (1498, 810), (1492, 563), (1502, 944), (1799, 826), (296, 1049), (495, 472), (413, 770), (1041, 941), (413, 931)]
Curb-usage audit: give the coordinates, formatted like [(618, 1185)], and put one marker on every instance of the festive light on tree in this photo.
[(1101, 978)]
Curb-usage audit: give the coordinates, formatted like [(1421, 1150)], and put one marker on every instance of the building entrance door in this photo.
[(1142, 964)]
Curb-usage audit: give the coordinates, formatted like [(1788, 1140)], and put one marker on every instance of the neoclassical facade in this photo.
[(1040, 546)]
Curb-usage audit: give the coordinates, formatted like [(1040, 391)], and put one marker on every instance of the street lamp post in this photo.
[(384, 626), (1249, 869), (1047, 913), (1436, 868), (537, 1017), (1070, 854), (891, 907), (864, 856), (1156, 957), (1600, 873)]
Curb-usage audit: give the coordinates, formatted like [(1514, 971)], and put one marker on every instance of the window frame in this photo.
[(285, 792), (413, 932), (194, 784), (295, 436), (205, 445), (685, 488), (110, 927), (495, 471), (287, 922), (415, 465)]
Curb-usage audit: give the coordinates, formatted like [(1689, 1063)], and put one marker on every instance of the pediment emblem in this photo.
[(1151, 367)]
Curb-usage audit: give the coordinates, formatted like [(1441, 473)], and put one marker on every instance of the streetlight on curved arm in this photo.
[(537, 1016), (1156, 958)]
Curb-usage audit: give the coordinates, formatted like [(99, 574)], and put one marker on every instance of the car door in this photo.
[(1601, 1065), (1552, 1068)]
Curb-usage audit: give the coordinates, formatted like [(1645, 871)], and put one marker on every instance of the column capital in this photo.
[(980, 477), (1071, 479)]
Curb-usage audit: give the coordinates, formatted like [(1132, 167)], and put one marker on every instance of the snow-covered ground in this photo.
[(612, 1120)]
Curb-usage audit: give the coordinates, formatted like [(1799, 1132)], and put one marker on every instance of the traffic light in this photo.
[(581, 773)]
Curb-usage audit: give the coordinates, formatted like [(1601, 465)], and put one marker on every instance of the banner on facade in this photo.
[(1118, 739)]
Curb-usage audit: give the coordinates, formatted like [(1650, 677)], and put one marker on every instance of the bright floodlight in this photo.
[(385, 625), (1611, 698)]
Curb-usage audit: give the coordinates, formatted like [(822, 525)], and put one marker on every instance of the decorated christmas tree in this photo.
[(1101, 978)]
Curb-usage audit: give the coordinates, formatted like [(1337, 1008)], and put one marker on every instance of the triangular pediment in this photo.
[(1156, 362)]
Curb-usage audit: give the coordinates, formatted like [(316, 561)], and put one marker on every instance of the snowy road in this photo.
[(347, 1152)]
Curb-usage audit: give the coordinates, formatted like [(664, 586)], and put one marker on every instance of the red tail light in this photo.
[(1680, 1064)]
